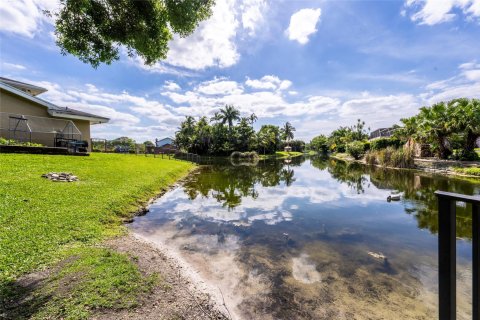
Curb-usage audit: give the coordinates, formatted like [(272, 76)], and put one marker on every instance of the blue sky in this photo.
[(317, 64)]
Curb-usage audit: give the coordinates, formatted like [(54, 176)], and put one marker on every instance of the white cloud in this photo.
[(268, 82), (465, 84), (379, 110), (219, 87), (24, 17), (212, 44), (171, 86), (431, 12), (12, 66), (252, 14), (303, 23)]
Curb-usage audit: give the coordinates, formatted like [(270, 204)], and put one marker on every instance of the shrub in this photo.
[(366, 146), (391, 157), (370, 158), (4, 141), (236, 154), (465, 155), (356, 149), (383, 143), (243, 155)]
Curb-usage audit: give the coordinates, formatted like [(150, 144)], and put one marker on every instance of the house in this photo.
[(25, 117), (381, 133), (165, 145)]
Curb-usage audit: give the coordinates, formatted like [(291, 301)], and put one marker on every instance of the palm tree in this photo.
[(288, 130), (253, 118), (466, 119), (435, 125), (228, 115)]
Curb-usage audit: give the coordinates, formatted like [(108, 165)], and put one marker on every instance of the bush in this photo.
[(383, 143), (370, 158), (236, 154), (465, 155), (356, 149), (244, 155), (366, 146), (391, 157), (4, 141)]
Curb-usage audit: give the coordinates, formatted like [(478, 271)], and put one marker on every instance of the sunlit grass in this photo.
[(40, 220), (469, 171)]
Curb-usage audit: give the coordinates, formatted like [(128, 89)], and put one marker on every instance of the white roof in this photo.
[(164, 141), (54, 110)]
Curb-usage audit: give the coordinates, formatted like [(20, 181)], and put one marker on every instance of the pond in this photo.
[(313, 238)]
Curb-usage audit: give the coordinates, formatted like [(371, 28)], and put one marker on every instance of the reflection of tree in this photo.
[(419, 197), (229, 184), (352, 174), (418, 190), (287, 175)]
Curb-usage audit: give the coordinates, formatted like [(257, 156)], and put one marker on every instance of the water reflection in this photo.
[(313, 238), (229, 184)]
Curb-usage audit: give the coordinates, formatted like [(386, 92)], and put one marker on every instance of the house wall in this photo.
[(11, 103)]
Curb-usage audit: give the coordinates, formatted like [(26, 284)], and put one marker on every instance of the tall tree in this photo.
[(358, 131), (435, 126), (319, 144), (288, 130), (245, 135), (253, 118), (269, 138), (466, 119), (228, 115), (94, 30), (184, 137)]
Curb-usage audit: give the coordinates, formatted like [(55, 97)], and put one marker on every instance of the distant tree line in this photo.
[(227, 132), (120, 145), (449, 129)]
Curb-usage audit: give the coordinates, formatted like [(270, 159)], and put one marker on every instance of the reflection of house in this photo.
[(382, 132), (25, 117), (165, 145)]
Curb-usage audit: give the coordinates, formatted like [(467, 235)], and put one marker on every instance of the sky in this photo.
[(316, 64)]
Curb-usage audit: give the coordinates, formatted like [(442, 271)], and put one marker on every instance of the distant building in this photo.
[(381, 133), (165, 145)]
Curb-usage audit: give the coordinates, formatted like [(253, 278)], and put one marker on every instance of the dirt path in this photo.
[(176, 296)]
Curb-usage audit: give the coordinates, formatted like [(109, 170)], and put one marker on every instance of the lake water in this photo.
[(313, 238)]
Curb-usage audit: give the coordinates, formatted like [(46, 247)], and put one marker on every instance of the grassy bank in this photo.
[(468, 171), (281, 154), (42, 222)]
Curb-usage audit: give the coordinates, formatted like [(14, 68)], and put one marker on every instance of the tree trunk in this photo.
[(470, 141), (443, 151)]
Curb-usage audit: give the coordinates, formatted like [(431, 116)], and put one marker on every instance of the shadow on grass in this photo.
[(23, 298)]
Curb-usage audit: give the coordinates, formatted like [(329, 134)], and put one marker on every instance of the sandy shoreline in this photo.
[(181, 294), (196, 282)]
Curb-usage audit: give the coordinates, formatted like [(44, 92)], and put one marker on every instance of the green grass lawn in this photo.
[(478, 151), (469, 171), (288, 154), (281, 154), (41, 221)]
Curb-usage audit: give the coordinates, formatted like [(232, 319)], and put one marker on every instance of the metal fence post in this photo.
[(447, 258), (476, 260)]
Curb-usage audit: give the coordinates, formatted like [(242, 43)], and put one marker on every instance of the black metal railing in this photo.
[(447, 203)]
